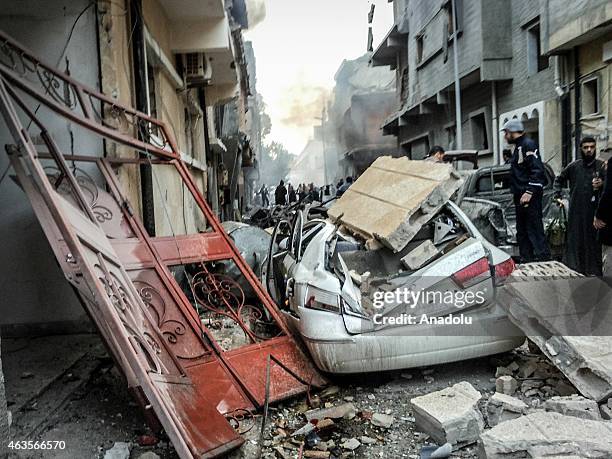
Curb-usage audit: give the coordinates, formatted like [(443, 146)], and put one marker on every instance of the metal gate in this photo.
[(148, 295)]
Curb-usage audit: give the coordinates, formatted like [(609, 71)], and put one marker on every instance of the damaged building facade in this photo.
[(517, 59), (175, 60), (362, 98)]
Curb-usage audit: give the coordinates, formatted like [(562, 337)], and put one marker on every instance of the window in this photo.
[(418, 148), (419, 48), (535, 61), (152, 100), (480, 136), (590, 97), (484, 184), (448, 8), (451, 137)]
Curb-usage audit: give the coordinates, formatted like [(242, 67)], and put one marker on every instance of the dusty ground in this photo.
[(66, 388)]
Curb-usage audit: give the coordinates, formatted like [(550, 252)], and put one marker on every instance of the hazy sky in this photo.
[(298, 46)]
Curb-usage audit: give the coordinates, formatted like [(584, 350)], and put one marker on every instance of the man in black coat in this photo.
[(527, 180), (603, 223), (280, 194), (583, 250)]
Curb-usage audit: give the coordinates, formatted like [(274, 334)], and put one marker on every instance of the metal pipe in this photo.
[(495, 123), (577, 103), (459, 135)]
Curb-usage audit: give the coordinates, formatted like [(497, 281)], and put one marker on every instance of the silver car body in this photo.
[(349, 341)]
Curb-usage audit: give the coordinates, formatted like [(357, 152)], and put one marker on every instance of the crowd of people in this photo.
[(287, 194)]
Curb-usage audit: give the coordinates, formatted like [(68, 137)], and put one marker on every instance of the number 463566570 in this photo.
[(30, 444)]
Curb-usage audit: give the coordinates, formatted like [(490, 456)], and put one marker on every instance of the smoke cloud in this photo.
[(256, 12), (302, 104)]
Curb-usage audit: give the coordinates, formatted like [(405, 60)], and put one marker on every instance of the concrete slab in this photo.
[(450, 415), (547, 434), (394, 197), (574, 405), (570, 320)]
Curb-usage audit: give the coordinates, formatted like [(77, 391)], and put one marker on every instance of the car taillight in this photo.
[(472, 274), (503, 270), (322, 300)]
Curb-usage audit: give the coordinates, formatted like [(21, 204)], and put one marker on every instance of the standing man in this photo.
[(583, 250), (527, 181), (280, 194), (292, 194), (265, 200), (603, 223)]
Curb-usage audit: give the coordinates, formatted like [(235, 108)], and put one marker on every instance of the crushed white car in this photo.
[(363, 306)]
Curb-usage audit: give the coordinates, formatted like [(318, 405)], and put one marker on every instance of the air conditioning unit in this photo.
[(197, 69)]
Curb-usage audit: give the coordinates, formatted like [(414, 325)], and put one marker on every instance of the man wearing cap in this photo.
[(527, 180)]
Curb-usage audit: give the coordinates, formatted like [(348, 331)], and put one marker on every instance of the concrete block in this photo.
[(420, 255), (450, 415), (547, 434), (606, 412), (574, 405), (501, 408), (394, 197), (120, 450), (506, 385)]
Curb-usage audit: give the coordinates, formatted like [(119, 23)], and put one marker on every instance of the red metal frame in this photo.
[(122, 274)]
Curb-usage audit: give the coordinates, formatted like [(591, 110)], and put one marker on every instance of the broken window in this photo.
[(419, 48), (448, 10), (535, 61), (590, 97), (418, 148), (479, 132)]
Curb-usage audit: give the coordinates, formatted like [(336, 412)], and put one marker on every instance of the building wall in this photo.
[(566, 21), (493, 62), (592, 66), (435, 72), (32, 287)]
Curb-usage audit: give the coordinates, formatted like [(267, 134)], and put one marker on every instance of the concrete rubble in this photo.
[(547, 434), (120, 450), (346, 410), (450, 415), (506, 385), (388, 214), (606, 410), (420, 255), (569, 320), (574, 405), (382, 420), (501, 408)]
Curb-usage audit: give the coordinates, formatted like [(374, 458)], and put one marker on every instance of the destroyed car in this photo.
[(350, 288), (486, 199)]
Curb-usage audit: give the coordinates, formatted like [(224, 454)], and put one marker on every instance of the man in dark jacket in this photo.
[(583, 250), (527, 180), (280, 194), (603, 223), (292, 194)]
